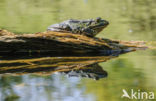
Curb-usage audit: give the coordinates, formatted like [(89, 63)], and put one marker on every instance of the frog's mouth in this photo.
[(99, 26)]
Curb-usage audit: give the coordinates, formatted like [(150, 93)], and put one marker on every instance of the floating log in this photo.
[(57, 42)]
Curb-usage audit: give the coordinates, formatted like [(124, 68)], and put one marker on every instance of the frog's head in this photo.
[(97, 25)]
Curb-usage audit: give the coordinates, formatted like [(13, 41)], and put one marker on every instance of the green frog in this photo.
[(89, 27)]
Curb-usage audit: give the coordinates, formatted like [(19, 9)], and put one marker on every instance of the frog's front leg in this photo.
[(88, 32)]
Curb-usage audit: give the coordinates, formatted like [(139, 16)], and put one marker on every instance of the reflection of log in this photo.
[(49, 65), (55, 42)]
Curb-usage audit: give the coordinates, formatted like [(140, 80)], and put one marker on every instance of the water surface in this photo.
[(129, 20)]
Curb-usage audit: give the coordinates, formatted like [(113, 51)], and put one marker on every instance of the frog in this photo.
[(88, 27)]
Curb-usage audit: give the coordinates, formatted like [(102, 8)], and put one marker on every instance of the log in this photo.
[(57, 42), (60, 44)]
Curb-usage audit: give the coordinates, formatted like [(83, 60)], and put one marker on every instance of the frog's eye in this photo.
[(98, 19)]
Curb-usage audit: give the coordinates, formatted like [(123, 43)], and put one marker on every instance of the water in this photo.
[(129, 20)]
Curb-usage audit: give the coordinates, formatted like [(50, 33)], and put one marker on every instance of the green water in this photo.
[(129, 20)]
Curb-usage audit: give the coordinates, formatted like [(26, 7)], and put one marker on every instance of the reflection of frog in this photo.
[(95, 72), (90, 27)]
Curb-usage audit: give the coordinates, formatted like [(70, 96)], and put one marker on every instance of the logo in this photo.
[(137, 94)]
